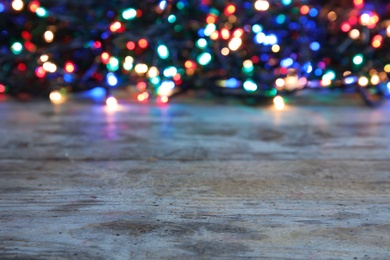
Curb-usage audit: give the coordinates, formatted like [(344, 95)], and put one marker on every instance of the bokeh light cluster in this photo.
[(160, 48)]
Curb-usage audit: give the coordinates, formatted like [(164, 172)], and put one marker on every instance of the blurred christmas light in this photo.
[(143, 96), (2, 88), (41, 12), (354, 34), (170, 72), (166, 88), (261, 5), (326, 82), (363, 81), (112, 80), (238, 33), (129, 14), (130, 45), (172, 18), (358, 59), (163, 4), (211, 19), (116, 27), (278, 103), (375, 80), (143, 43), (225, 33), (358, 3), (315, 46), (377, 41), (17, 48), (56, 97), (111, 103), (365, 19), (201, 43), (214, 36), (225, 51), (279, 83), (332, 16), (141, 68), (40, 72), (350, 80), (105, 57), (69, 67), (235, 43), (229, 10), (33, 6), (250, 85), (113, 64), (204, 58), (17, 5), (162, 51), (49, 67), (387, 68), (255, 43), (48, 36), (210, 28), (163, 99), (153, 72), (304, 10), (346, 27)]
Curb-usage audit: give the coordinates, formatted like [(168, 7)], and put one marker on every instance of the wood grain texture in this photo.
[(194, 181)]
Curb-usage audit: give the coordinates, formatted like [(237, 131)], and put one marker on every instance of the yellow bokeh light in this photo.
[(365, 19), (375, 80), (48, 36), (56, 97), (275, 48), (214, 36), (225, 51), (17, 5), (261, 5), (44, 58), (141, 68), (279, 83), (332, 16), (111, 103), (326, 82), (387, 68), (247, 63), (354, 34), (363, 81), (235, 43), (279, 103), (232, 19), (225, 33), (49, 67), (153, 72)]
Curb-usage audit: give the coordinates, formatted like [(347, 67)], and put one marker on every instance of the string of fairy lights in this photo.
[(160, 48)]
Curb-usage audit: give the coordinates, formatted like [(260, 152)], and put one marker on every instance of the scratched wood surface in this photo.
[(192, 180)]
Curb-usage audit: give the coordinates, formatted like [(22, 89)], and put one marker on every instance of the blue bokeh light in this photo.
[(112, 80), (315, 46), (232, 83), (318, 72), (288, 62)]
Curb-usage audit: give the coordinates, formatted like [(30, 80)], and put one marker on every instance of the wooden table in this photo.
[(194, 180)]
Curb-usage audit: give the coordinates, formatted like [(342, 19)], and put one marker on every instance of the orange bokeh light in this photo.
[(143, 43)]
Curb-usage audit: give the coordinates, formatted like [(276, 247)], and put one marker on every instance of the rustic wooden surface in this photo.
[(194, 181)]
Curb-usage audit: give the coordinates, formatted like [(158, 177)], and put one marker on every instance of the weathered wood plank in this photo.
[(194, 181)]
